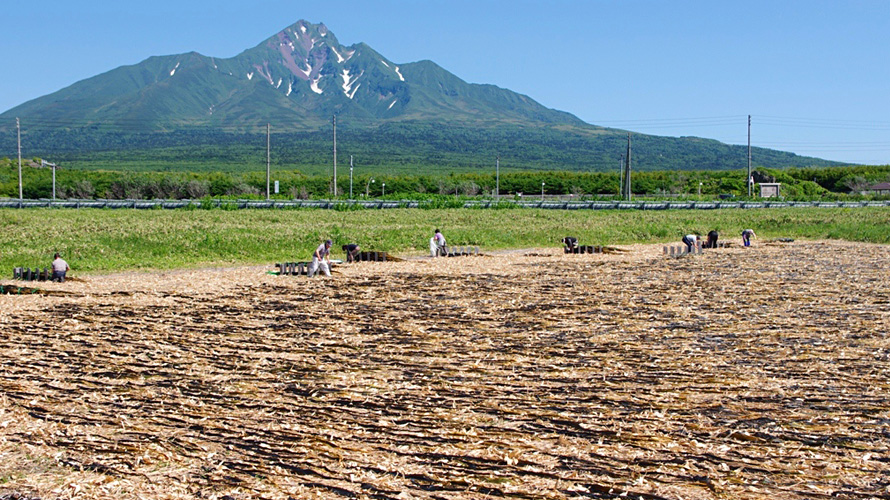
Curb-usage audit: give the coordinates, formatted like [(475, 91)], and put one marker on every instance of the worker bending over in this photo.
[(321, 259), (352, 250)]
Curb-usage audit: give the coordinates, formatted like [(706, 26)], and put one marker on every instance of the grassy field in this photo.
[(100, 241)]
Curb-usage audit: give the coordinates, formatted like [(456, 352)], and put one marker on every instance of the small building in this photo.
[(880, 189), (769, 189)]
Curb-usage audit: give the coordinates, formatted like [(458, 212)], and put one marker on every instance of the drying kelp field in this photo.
[(740, 373)]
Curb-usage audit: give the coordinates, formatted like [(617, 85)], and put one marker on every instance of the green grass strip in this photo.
[(100, 241)]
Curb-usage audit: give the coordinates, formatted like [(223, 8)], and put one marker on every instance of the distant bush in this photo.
[(441, 202)]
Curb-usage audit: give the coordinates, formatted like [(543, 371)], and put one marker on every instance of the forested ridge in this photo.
[(414, 148)]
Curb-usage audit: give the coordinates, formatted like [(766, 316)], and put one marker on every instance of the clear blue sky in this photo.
[(814, 74)]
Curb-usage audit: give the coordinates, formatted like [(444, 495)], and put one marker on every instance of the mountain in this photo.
[(299, 78)]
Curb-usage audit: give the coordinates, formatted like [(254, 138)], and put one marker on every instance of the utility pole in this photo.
[(350, 177), (620, 176), (749, 180), (627, 186), (18, 130), (335, 156), (497, 177), (268, 157)]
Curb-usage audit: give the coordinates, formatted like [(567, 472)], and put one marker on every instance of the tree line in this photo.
[(797, 183)]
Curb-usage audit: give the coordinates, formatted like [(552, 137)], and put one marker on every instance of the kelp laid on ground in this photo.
[(741, 373)]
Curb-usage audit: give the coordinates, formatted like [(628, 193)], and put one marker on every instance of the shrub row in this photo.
[(802, 184)]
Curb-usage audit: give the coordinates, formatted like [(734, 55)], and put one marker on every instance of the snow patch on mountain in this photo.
[(348, 81), (290, 88), (250, 76), (340, 58), (279, 83), (172, 71), (384, 63), (314, 86), (402, 78), (352, 94), (393, 103)]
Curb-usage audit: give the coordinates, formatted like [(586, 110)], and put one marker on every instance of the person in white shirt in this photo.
[(747, 234), (321, 259), (690, 241), (60, 268)]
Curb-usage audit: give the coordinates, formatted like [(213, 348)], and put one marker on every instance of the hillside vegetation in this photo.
[(417, 148)]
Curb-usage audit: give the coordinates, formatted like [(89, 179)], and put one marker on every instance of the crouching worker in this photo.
[(712, 240), (321, 259), (60, 268), (571, 244), (352, 250), (690, 240)]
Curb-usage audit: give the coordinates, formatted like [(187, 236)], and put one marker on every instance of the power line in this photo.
[(828, 148), (823, 123), (668, 123)]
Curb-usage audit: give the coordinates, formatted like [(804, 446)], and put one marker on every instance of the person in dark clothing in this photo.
[(352, 250), (712, 239), (571, 244)]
